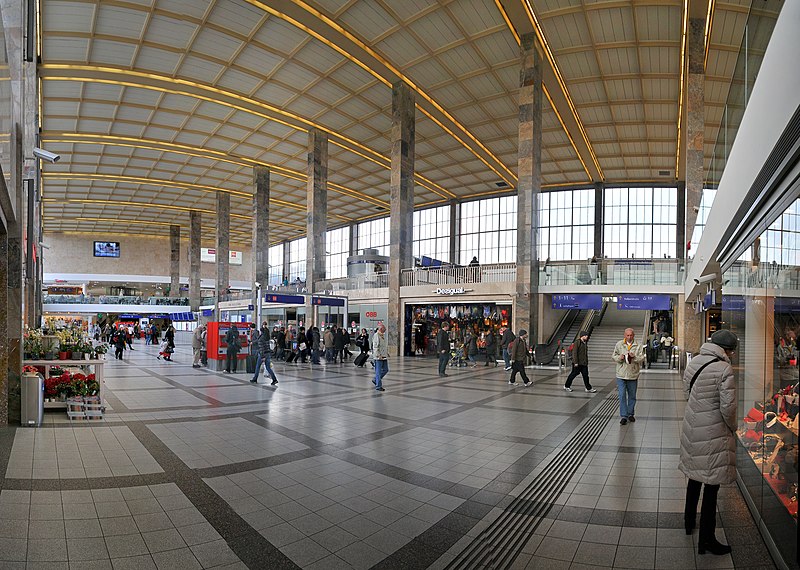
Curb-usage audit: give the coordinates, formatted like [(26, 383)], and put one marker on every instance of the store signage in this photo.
[(287, 299), (578, 301), (328, 301), (452, 291), (643, 302), (787, 304), (734, 303), (371, 314), (209, 255)]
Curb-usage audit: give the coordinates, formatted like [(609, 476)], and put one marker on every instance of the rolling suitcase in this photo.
[(250, 364), (361, 359)]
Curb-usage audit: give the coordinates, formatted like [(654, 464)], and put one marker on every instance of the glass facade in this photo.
[(374, 234), (275, 258), (488, 231), (432, 233), (566, 225), (761, 304), (640, 222), (297, 259), (337, 245)]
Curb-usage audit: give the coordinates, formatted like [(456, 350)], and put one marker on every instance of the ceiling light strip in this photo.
[(131, 142), (707, 34), (684, 32), (559, 78), (509, 176)]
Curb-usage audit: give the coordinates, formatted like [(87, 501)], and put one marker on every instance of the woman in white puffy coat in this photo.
[(708, 444)]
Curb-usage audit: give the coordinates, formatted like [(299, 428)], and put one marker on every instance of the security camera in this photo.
[(258, 284), (706, 278), (46, 155)]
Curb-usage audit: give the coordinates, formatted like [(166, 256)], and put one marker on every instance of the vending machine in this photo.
[(217, 348)]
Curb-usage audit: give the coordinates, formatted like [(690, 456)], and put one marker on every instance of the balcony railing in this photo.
[(359, 282), (490, 273), (112, 300), (614, 272)]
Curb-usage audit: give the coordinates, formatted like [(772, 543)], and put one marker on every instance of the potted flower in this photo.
[(32, 344), (83, 349), (100, 350)]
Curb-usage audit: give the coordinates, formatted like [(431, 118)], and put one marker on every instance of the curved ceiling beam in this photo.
[(196, 90), (188, 150), (324, 29)]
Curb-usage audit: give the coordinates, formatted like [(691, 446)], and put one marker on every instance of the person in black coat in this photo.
[(362, 342), (443, 348), (265, 352), (232, 352), (118, 338), (491, 349), (338, 345), (169, 336), (508, 336)]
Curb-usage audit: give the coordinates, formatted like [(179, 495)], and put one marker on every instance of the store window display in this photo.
[(762, 308), (474, 320)]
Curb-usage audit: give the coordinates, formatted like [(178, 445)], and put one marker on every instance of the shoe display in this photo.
[(591, 389), (623, 421), (567, 389), (631, 419)]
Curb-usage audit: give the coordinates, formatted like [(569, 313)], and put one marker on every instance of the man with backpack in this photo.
[(580, 363), (266, 348)]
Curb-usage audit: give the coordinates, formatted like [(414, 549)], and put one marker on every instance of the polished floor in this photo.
[(196, 469)]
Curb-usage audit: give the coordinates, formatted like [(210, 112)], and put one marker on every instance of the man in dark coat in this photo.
[(443, 348), (508, 336), (232, 352), (265, 352), (491, 349), (580, 363), (338, 345)]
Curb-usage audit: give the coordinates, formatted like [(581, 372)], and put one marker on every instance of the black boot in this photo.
[(708, 522), (692, 497), (712, 546)]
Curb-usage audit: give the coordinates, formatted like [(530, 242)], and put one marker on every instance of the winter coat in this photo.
[(442, 341), (472, 345), (263, 344), (580, 353), (519, 350), (232, 340), (708, 445), (508, 336), (328, 339), (490, 343), (197, 338), (169, 336), (380, 347), (315, 339), (362, 342), (339, 340), (628, 370)]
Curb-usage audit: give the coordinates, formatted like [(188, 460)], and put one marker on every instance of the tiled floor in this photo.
[(194, 469)]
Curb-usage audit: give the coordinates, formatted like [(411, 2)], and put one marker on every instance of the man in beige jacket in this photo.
[(629, 356)]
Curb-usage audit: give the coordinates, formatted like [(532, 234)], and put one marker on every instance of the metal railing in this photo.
[(614, 272), (112, 300), (455, 275), (359, 282)]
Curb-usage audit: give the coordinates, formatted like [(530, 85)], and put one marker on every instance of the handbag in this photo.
[(303, 346)]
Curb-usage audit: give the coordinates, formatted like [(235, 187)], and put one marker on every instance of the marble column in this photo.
[(287, 260), (260, 253), (695, 123), (174, 261), (529, 160), (401, 230), (316, 214), (223, 248), (4, 338), (195, 233)]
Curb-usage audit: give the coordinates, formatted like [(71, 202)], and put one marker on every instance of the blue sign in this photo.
[(328, 301), (285, 299), (734, 303), (249, 307), (208, 312), (710, 299), (787, 304), (578, 301), (643, 302), (130, 317)]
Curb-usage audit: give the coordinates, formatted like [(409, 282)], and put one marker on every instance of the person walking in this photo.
[(118, 339), (519, 358), (169, 338), (232, 352), (629, 356), (491, 349), (506, 339), (328, 342), (380, 350), (302, 345), (580, 363), (279, 334), (266, 348), (129, 336), (471, 348), (338, 345), (315, 342), (197, 345), (362, 342), (708, 442), (443, 348)]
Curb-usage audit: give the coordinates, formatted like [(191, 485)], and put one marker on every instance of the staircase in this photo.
[(612, 330), (574, 329)]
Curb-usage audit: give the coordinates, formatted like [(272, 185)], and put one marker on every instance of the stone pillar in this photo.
[(401, 231), (689, 326), (174, 261), (4, 337), (287, 259), (695, 123), (260, 252), (317, 214), (195, 233), (599, 187), (529, 159), (223, 247), (353, 239)]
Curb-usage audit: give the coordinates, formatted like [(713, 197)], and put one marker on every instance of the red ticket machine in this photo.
[(217, 348)]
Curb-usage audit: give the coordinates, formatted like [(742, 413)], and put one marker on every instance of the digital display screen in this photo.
[(106, 249)]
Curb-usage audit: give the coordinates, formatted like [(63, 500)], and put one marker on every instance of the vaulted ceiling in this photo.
[(157, 105)]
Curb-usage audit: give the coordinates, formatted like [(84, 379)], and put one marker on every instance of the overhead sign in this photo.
[(578, 301), (643, 302), (734, 303), (451, 291), (209, 255), (787, 304), (328, 301), (286, 299)]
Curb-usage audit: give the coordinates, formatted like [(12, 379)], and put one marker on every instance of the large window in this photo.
[(337, 244), (276, 264), (489, 230), (706, 201), (432, 233), (782, 243), (566, 225), (374, 234), (640, 222), (297, 259)]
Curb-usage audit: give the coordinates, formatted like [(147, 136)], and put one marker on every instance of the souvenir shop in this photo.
[(422, 322)]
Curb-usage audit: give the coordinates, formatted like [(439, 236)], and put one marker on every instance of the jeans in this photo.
[(507, 357), (267, 367), (518, 366), (627, 397), (381, 369), (583, 371), (708, 512), (444, 358)]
